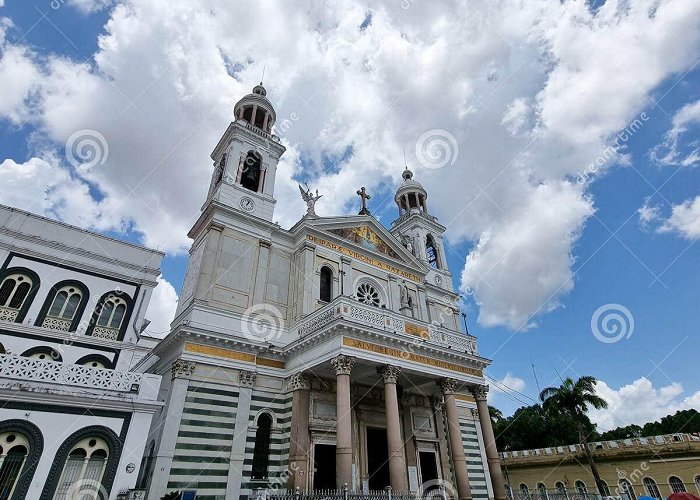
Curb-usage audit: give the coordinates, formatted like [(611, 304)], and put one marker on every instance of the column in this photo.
[(261, 271), (397, 460), (480, 392), (307, 275), (343, 426), (459, 462), (252, 117), (246, 381), (181, 372), (346, 276), (299, 439)]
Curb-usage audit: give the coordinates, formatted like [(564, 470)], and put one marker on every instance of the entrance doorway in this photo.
[(377, 459), (428, 466), (324, 467)]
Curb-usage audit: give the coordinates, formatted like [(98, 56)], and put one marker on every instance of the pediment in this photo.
[(366, 237)]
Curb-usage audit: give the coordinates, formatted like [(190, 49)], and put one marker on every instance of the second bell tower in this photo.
[(245, 159)]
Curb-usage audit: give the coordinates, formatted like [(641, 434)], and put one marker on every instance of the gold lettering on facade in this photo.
[(220, 352), (410, 356), (416, 330), (364, 258)]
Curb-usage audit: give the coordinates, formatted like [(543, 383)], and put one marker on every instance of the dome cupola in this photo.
[(411, 195), (256, 109)]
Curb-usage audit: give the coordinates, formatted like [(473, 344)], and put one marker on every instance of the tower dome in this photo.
[(411, 196), (256, 109)]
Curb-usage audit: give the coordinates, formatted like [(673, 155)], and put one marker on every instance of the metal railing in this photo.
[(342, 494), (345, 308)]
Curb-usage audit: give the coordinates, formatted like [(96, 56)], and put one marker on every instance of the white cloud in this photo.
[(20, 77), (684, 219), (508, 385), (672, 150), (532, 94), (640, 402), (161, 309)]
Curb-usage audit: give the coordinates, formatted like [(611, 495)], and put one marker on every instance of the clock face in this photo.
[(438, 279), (247, 204)]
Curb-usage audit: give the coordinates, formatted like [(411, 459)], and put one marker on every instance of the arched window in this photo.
[(64, 306), (261, 452), (109, 316), (651, 488), (251, 169), (697, 482), (325, 285), (542, 491), (18, 286), (561, 490), (606, 488), (95, 361), (627, 490), (524, 491), (367, 293), (43, 353), (581, 488), (432, 252), (85, 465), (676, 484), (14, 449)]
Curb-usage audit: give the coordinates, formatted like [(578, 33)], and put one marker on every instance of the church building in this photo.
[(326, 355)]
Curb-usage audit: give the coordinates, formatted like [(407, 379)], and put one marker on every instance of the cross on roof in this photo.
[(362, 193)]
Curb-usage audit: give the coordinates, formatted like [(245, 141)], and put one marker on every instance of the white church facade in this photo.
[(321, 357)]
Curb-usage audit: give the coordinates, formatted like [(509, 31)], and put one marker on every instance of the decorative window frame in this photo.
[(98, 308), (52, 295), (109, 365), (383, 297), (115, 451), (36, 448), (43, 350), (331, 283), (36, 284), (685, 489)]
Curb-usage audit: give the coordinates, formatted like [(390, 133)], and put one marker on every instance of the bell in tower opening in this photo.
[(251, 171)]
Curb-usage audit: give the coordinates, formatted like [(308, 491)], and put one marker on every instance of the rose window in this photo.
[(367, 294)]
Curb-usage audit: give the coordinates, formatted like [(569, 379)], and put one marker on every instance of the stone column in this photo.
[(307, 277), (181, 372), (459, 462), (252, 117), (262, 271), (246, 381), (397, 460), (346, 270), (343, 427), (299, 439), (480, 392)]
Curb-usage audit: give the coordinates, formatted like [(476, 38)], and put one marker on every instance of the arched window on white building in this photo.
[(64, 306), (16, 291), (84, 469), (14, 448)]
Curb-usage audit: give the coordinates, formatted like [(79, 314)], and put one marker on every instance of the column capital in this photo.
[(298, 382), (246, 378), (480, 392), (448, 385), (389, 373), (343, 364), (182, 368)]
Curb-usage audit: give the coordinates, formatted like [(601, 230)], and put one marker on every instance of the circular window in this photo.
[(367, 294)]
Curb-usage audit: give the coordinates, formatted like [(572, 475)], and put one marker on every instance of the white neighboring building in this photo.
[(74, 417)]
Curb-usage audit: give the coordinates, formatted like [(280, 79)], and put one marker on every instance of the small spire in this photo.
[(262, 78)]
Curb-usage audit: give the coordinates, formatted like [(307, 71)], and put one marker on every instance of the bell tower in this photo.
[(245, 159), (420, 232)]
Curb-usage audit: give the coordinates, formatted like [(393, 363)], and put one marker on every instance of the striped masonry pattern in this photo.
[(475, 465), (280, 405), (203, 446)]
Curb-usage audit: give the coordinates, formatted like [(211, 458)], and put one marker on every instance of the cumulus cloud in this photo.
[(161, 309), (640, 402), (674, 150), (533, 95), (684, 219)]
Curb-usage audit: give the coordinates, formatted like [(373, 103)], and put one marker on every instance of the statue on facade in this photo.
[(310, 199), (408, 243), (403, 295)]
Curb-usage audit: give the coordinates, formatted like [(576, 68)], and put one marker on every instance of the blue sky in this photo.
[(359, 84)]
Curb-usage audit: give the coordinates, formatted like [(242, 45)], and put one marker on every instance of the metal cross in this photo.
[(362, 193)]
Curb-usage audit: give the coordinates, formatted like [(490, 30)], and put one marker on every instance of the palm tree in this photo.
[(572, 399)]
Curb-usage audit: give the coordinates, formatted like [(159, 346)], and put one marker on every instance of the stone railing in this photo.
[(102, 332), (8, 314), (56, 323), (52, 372), (383, 319)]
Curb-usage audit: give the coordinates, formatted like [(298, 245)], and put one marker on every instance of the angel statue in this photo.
[(310, 199)]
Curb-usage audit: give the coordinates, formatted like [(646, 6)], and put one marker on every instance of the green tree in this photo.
[(572, 399)]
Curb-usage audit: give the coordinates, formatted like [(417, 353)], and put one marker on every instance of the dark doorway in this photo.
[(428, 466), (324, 467), (377, 459)]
